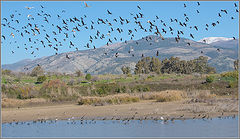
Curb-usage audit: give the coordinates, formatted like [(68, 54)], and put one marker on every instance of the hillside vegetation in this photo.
[(151, 75)]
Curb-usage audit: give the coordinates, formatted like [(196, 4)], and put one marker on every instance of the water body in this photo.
[(226, 127)]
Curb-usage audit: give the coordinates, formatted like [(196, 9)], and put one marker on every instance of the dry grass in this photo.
[(201, 94), (8, 102), (111, 99), (163, 96), (171, 95)]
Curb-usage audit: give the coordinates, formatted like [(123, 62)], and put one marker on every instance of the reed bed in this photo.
[(9, 102), (111, 99), (163, 96)]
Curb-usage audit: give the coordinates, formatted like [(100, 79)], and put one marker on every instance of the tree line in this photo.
[(172, 65)]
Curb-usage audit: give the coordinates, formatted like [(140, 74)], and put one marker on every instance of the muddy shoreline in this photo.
[(143, 110)]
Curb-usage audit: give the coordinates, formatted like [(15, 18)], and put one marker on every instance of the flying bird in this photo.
[(86, 5), (29, 7), (109, 12), (139, 7)]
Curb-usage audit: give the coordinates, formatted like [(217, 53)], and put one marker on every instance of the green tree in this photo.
[(41, 79), (155, 65), (201, 64), (143, 66), (88, 77), (6, 72), (126, 70)]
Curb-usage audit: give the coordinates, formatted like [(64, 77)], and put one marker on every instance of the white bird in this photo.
[(29, 7), (161, 118), (12, 35), (29, 15), (73, 31)]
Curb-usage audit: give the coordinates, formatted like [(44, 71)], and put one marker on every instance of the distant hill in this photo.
[(96, 62)]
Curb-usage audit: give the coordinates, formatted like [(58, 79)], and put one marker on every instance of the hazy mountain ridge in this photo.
[(96, 62), (210, 40)]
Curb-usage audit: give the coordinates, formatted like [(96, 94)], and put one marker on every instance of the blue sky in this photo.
[(164, 10)]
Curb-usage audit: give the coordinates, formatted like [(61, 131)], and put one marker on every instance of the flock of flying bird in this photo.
[(70, 26)]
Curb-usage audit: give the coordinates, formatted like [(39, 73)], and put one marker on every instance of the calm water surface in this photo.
[(226, 127)]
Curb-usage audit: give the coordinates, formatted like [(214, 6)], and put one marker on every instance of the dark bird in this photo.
[(225, 11), (67, 56), (196, 28), (64, 22), (198, 3), (235, 4), (4, 37), (109, 12), (191, 35), (139, 7), (71, 43), (214, 24), (157, 53), (219, 15), (5, 19)]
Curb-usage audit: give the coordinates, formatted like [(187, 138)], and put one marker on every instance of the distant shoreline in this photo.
[(146, 109)]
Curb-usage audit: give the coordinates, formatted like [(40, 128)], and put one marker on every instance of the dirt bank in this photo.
[(149, 109)]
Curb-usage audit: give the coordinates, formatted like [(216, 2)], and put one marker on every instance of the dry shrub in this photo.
[(201, 96), (204, 94), (170, 95), (8, 102), (173, 94), (163, 96), (54, 87), (111, 99)]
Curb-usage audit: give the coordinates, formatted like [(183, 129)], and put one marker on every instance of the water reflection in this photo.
[(216, 127)]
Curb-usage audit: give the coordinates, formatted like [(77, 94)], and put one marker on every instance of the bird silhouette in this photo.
[(67, 56), (139, 7)]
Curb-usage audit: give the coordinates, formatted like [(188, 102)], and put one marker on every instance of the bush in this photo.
[(88, 77), (37, 71), (94, 79), (233, 84), (111, 99), (232, 74), (209, 79), (6, 72), (166, 96), (79, 73), (41, 79), (53, 88), (71, 82)]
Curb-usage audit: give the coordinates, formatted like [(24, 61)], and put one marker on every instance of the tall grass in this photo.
[(163, 96), (111, 99)]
